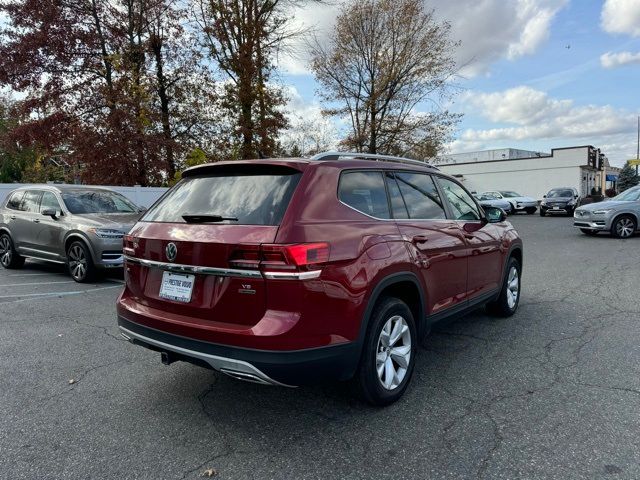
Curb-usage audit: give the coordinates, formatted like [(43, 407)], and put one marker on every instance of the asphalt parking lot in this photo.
[(553, 392)]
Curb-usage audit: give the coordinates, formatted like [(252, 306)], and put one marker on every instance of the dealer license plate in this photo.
[(177, 286)]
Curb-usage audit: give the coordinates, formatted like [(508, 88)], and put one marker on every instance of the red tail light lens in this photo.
[(246, 256), (307, 253), (128, 246), (282, 257)]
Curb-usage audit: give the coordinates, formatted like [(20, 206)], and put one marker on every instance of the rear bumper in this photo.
[(284, 368)]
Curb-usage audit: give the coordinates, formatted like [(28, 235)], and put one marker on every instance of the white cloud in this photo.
[(621, 16), (525, 116), (614, 60), (489, 30)]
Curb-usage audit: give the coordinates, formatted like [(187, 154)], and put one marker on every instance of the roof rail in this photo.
[(369, 156)]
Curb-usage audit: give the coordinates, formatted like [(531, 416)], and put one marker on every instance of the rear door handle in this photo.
[(36, 220), (12, 217), (419, 238)]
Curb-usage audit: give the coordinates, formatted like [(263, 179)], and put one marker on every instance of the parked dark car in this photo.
[(296, 271), (560, 201), (75, 225)]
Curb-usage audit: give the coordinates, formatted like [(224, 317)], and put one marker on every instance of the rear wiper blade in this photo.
[(204, 218)]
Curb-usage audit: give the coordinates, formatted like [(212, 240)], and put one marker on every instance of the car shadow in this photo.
[(39, 266)]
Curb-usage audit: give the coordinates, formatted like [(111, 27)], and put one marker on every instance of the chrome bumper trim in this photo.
[(235, 368), (175, 267), (224, 272)]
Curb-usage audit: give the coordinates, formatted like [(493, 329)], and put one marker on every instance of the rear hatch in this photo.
[(197, 251)]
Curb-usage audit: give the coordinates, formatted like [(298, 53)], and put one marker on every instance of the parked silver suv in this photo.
[(619, 215), (79, 226)]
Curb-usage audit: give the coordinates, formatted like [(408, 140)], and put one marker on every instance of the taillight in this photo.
[(128, 245), (245, 256), (279, 257), (307, 253)]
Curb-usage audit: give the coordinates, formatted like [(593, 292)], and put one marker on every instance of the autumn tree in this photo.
[(386, 67), (308, 135), (14, 157), (243, 38), (111, 85)]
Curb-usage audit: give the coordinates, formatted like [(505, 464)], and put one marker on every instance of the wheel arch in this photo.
[(74, 236), (627, 214), (404, 286)]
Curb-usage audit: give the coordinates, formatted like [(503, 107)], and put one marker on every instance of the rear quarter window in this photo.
[(258, 197), (365, 192)]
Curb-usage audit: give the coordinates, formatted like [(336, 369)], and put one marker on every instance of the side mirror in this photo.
[(50, 212), (495, 214)]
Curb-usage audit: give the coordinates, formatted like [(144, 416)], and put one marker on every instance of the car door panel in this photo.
[(440, 254), (49, 233), (435, 243), (25, 223), (483, 239), (485, 259)]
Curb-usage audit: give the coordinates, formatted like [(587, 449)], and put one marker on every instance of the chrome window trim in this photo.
[(224, 272)]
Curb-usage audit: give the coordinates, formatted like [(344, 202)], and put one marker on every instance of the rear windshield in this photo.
[(250, 198)]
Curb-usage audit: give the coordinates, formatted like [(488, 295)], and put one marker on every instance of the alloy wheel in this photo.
[(393, 352), (625, 227), (6, 253), (77, 262), (513, 287)]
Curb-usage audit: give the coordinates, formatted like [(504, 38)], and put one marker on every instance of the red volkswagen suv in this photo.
[(294, 271)]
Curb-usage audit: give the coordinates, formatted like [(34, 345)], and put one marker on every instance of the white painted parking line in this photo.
[(31, 274), (34, 296), (36, 283)]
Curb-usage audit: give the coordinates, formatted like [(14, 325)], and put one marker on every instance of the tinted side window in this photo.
[(49, 202), (15, 200), (420, 195), (31, 201), (462, 205), (398, 207), (365, 192)]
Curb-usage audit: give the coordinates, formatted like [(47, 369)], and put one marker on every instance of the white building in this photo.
[(488, 155), (533, 175)]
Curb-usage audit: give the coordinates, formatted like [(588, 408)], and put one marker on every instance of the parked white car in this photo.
[(520, 203)]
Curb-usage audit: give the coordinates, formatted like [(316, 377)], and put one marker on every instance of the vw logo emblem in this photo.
[(171, 250)]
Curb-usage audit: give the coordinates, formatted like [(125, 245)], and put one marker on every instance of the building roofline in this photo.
[(513, 159)]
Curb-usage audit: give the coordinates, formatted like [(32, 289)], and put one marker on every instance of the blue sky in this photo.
[(521, 86)]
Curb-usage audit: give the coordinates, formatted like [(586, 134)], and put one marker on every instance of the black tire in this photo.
[(367, 380), (80, 263), (9, 257), (624, 226), (542, 213), (531, 211), (502, 306)]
